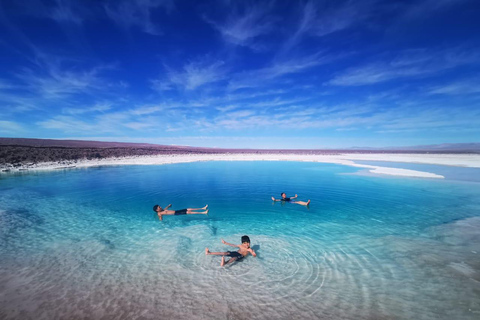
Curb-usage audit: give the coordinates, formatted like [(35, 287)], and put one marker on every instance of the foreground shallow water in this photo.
[(86, 244)]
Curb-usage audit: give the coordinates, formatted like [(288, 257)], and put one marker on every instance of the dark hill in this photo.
[(18, 151)]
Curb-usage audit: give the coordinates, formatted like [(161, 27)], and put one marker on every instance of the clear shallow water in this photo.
[(86, 244)]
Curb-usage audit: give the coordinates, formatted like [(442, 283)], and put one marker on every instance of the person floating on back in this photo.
[(243, 250), (286, 199), (161, 212)]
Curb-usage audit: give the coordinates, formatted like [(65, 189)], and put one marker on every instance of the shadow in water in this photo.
[(256, 248)]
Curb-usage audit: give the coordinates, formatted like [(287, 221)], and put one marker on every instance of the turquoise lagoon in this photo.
[(86, 244)]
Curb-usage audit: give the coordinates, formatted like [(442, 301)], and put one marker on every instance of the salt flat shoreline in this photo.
[(348, 159)]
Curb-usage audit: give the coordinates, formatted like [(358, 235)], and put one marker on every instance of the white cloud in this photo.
[(100, 107), (242, 26), (68, 124), (261, 77), (144, 110), (469, 86), (58, 83), (14, 103), (194, 74), (414, 119), (5, 85), (342, 17), (137, 13), (276, 102), (402, 116), (230, 99), (240, 114), (56, 77), (407, 64), (227, 108), (62, 11), (11, 127), (419, 9), (100, 119), (140, 125), (66, 12), (320, 19)]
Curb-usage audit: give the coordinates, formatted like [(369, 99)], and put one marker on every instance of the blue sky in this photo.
[(259, 74)]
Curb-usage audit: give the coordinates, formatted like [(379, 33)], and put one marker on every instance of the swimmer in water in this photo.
[(243, 250), (162, 212), (291, 199)]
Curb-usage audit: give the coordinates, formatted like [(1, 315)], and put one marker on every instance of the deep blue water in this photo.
[(85, 243)]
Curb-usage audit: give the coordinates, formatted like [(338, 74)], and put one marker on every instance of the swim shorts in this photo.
[(234, 254), (180, 212)]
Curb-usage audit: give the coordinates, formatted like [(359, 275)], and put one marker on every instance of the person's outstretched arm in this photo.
[(167, 207), (252, 252), (296, 195), (276, 199), (229, 244)]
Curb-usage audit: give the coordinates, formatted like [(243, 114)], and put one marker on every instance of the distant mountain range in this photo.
[(52, 143), (453, 147)]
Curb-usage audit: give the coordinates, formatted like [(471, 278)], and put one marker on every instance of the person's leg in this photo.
[(303, 203), (207, 252), (189, 211), (193, 209), (222, 263)]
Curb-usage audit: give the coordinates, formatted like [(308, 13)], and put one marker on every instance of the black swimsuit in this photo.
[(179, 212), (235, 254)]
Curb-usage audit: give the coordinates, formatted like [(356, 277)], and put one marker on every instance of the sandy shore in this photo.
[(461, 160)]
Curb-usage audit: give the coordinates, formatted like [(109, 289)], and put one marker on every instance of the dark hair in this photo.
[(245, 239), (283, 193), (155, 207)]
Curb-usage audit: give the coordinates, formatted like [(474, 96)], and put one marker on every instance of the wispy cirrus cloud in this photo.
[(193, 75), (6, 85), (110, 123), (113, 123), (245, 23), (66, 12), (419, 9), (137, 13), (275, 102), (13, 103), (71, 125), (54, 77), (146, 110), (319, 19), (294, 117), (408, 64), (62, 11), (404, 116), (11, 127), (113, 118), (99, 107), (261, 77), (343, 16), (461, 87), (54, 84), (141, 125), (440, 119), (230, 99), (58, 83)]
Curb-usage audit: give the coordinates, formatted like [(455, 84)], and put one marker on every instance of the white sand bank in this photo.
[(461, 160)]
